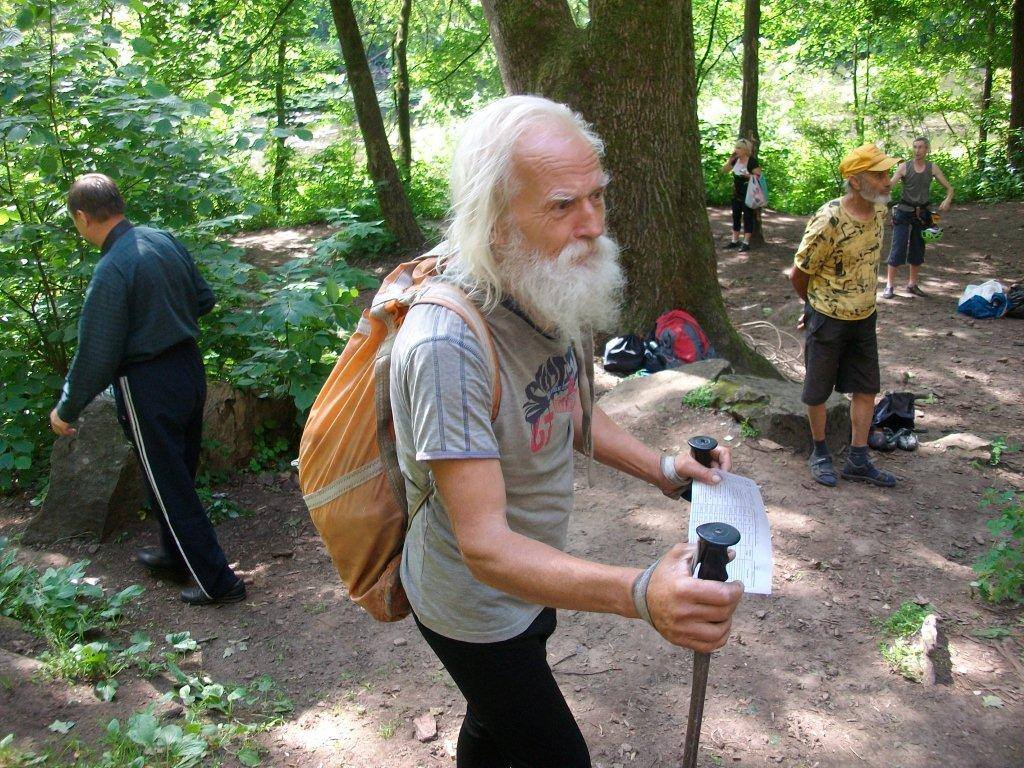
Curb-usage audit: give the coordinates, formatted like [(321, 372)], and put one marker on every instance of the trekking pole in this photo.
[(713, 542)]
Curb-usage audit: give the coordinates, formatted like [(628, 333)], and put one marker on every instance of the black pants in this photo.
[(160, 407), (741, 211), (516, 717)]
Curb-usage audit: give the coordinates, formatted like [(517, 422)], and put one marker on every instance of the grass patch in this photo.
[(901, 649), (748, 430), (701, 397)]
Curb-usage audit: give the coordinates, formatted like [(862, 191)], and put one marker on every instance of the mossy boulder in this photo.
[(773, 408)]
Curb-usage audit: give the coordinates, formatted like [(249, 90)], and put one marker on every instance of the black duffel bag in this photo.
[(624, 354)]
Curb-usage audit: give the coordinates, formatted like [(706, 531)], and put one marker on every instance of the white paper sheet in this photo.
[(736, 500)]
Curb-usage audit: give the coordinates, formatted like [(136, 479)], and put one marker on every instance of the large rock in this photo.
[(773, 408), (232, 422), (664, 389), (95, 485)]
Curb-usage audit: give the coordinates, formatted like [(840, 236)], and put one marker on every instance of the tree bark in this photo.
[(1015, 142), (986, 89), (394, 204), (858, 120), (748, 102), (280, 148), (402, 87), (751, 43), (631, 73)]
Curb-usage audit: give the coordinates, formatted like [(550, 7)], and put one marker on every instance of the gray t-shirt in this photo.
[(441, 396)]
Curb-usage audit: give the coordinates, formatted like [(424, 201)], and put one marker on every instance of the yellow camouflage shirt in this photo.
[(841, 255)]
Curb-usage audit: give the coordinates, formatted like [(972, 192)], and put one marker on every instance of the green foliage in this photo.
[(749, 430), (271, 451), (61, 604), (998, 448), (1000, 570), (701, 397), (901, 650), (219, 507), (280, 331)]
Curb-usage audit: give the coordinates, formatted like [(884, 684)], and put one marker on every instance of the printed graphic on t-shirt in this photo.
[(552, 391)]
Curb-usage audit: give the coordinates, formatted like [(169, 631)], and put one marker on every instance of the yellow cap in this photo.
[(865, 158)]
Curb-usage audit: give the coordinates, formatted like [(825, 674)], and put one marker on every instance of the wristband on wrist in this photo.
[(668, 471), (640, 592)]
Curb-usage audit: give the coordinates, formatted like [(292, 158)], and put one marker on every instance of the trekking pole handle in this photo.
[(713, 542), (701, 447)]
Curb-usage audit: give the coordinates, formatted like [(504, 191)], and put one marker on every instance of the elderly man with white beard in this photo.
[(835, 272), (483, 563)]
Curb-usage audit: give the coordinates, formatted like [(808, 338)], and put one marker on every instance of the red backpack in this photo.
[(678, 332)]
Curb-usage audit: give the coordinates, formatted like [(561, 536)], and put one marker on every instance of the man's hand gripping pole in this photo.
[(713, 542)]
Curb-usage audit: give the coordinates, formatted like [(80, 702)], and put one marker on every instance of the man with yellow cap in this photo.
[(835, 273)]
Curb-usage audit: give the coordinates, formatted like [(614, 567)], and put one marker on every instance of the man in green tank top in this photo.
[(912, 215)]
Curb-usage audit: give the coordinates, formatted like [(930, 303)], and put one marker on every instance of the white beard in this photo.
[(581, 288), (878, 199)]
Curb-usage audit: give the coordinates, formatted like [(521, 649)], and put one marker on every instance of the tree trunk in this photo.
[(858, 121), (394, 204), (986, 89), (751, 43), (1015, 143), (280, 148), (642, 102), (402, 87), (748, 102)]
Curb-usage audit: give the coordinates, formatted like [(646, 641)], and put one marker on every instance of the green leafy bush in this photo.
[(1000, 570), (280, 331)]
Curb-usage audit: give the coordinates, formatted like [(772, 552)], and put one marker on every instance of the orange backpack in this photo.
[(348, 465)]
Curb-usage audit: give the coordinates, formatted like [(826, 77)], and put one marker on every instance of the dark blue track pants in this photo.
[(160, 406)]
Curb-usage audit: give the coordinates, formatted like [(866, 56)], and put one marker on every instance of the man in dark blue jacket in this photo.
[(138, 330)]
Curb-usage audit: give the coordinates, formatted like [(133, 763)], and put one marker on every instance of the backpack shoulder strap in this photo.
[(446, 295)]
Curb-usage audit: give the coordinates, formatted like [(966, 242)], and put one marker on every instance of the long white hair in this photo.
[(482, 185)]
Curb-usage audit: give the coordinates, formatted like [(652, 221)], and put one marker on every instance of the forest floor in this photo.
[(801, 683)]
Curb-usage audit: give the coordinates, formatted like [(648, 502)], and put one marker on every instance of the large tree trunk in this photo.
[(280, 147), (394, 204), (402, 87), (1015, 144), (748, 102), (631, 73)]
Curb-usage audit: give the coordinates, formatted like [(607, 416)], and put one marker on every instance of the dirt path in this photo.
[(801, 683)]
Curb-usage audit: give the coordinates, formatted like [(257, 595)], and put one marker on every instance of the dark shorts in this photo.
[(907, 241), (840, 355)]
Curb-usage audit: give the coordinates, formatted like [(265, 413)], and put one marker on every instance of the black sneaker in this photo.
[(916, 290), (868, 473), (161, 565), (744, 247), (732, 245), (196, 596)]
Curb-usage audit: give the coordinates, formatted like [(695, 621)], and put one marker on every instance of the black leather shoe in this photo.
[(161, 565), (196, 596)]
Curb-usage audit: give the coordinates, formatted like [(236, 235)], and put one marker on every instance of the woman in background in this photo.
[(742, 165)]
